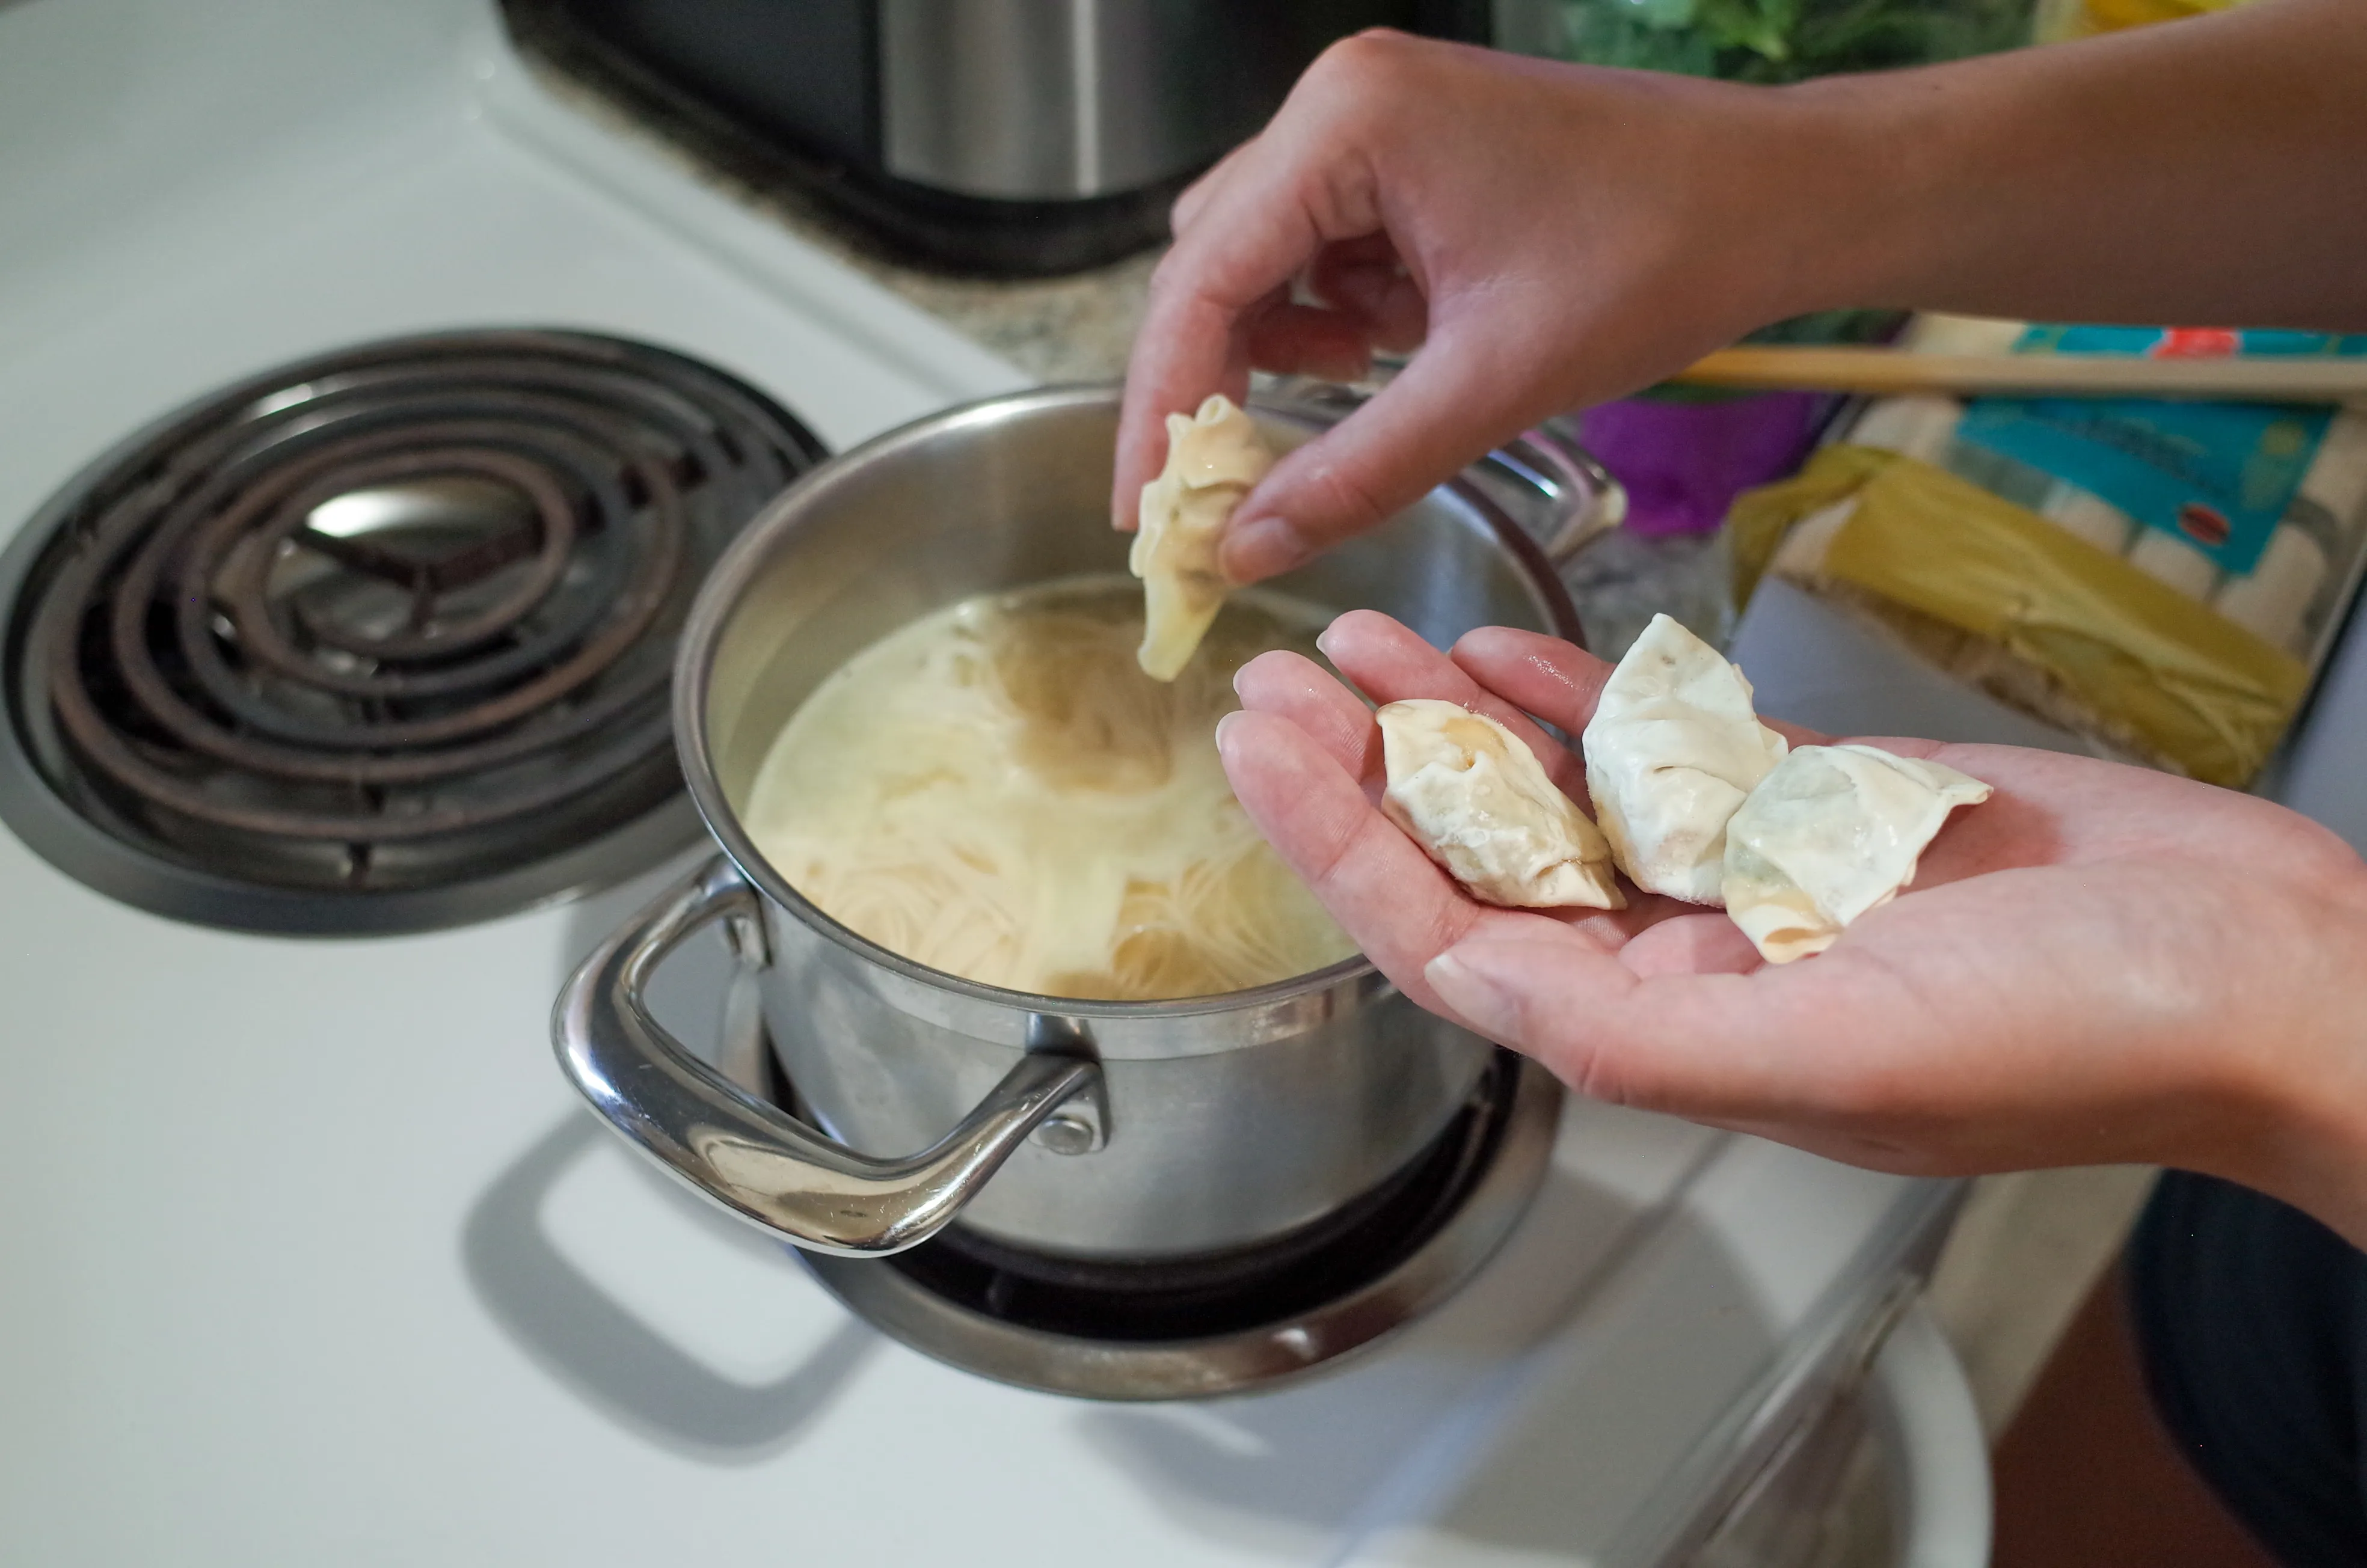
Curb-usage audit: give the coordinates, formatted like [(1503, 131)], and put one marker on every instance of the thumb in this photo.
[(1480, 983), (1447, 408), (1705, 1046)]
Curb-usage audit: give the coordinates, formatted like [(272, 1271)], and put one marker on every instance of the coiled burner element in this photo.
[(380, 641)]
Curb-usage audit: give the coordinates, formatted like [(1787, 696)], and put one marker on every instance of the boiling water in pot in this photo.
[(998, 791)]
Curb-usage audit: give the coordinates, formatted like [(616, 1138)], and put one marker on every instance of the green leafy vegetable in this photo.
[(1785, 40)]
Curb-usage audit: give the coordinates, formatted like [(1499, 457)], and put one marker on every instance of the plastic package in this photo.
[(2089, 517), (2160, 579), (2174, 564), (2273, 602)]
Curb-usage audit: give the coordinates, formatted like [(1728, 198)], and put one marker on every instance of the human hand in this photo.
[(1553, 235), (2100, 964)]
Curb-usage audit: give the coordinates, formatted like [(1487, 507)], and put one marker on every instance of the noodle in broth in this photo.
[(998, 791)]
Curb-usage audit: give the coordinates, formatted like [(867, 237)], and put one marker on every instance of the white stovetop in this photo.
[(311, 1258)]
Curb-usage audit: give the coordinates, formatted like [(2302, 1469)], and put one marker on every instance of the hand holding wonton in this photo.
[(2101, 966)]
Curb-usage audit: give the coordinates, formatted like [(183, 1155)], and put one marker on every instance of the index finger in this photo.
[(1249, 237)]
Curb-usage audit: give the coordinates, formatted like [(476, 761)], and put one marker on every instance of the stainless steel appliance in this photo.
[(1023, 136)]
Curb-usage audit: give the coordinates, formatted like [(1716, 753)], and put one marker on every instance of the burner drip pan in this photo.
[(380, 641), (1190, 1328)]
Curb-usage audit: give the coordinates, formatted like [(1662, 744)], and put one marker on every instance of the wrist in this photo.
[(2302, 1137), (1867, 222)]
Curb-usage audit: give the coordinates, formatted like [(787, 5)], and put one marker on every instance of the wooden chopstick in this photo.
[(1886, 372)]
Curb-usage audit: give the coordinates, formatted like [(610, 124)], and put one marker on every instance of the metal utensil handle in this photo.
[(761, 1164), (1587, 501)]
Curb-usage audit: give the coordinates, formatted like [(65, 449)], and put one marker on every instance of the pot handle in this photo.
[(1587, 502), (753, 1158)]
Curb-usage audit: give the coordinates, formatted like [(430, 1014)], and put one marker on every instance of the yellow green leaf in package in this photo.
[(2016, 603)]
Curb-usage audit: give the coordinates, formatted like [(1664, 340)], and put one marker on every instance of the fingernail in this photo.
[(1261, 548), (1475, 996), (1223, 725)]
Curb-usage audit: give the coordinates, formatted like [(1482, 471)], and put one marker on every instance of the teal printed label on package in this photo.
[(2215, 475), (2185, 343)]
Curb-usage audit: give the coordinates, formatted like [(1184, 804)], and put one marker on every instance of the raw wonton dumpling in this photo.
[(1673, 749), (1832, 832), (1467, 790), (1213, 459)]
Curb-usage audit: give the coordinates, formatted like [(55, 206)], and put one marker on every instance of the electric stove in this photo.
[(313, 1257)]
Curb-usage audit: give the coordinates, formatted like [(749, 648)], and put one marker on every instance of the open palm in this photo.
[(2101, 963)]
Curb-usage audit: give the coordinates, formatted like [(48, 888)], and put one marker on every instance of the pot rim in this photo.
[(728, 580)]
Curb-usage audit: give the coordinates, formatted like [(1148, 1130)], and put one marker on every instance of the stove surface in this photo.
[(380, 640), (314, 1257)]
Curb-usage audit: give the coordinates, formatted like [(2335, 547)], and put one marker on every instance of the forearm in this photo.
[(2206, 172)]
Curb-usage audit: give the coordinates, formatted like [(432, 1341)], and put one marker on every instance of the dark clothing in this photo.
[(2251, 1320)]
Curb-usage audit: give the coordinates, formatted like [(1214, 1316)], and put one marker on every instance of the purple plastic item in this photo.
[(1684, 463)]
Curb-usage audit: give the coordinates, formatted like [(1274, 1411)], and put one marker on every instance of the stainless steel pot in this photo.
[(1103, 1130)]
